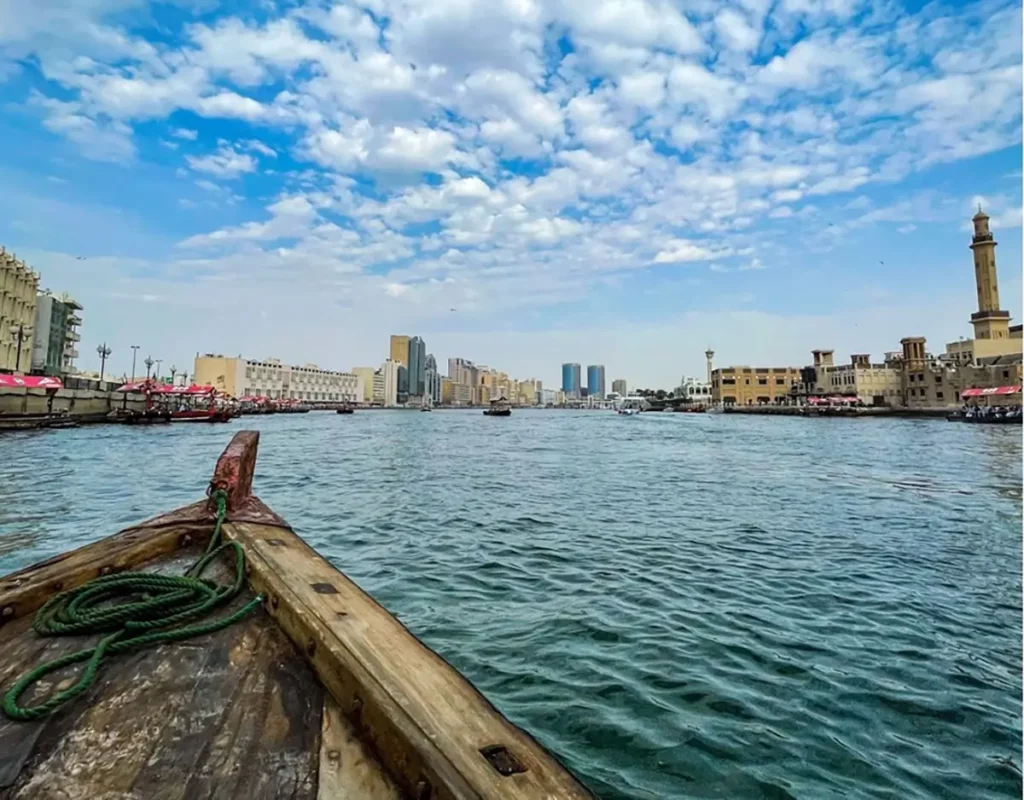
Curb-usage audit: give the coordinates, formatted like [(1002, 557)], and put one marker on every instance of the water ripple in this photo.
[(677, 605)]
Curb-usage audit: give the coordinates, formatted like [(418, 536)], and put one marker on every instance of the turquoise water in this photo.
[(676, 605)]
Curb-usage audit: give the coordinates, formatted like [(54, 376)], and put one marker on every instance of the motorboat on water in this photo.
[(631, 406)]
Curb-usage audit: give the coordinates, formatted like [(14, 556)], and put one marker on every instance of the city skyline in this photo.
[(599, 187)]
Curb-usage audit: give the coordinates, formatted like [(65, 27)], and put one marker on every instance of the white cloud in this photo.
[(456, 150), (225, 163), (735, 31), (679, 250)]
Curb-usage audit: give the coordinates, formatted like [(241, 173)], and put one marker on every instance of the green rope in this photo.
[(136, 610)]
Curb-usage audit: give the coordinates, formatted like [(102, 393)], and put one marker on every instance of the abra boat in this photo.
[(312, 690), (499, 408), (345, 409), (174, 404)]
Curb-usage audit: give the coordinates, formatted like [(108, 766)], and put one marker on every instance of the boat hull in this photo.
[(201, 416), (320, 693)]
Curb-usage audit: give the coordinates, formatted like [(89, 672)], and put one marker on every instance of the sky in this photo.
[(521, 182)]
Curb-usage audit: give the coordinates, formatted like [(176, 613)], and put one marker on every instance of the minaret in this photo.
[(990, 321), (709, 354)]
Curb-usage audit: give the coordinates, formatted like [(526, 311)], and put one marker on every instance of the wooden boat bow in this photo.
[(382, 715)]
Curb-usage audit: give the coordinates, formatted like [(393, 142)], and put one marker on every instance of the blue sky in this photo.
[(521, 182)]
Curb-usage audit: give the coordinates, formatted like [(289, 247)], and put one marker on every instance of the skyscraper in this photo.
[(433, 380), (399, 349), (571, 379), (402, 385), (417, 364), (595, 381), (619, 387)]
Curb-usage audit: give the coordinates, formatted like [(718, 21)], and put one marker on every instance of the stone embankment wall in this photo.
[(83, 404)]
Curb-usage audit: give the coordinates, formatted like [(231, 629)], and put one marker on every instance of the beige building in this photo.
[(366, 375), (19, 285), (926, 381), (399, 352), (751, 386), (463, 394), (619, 386), (242, 377), (872, 383)]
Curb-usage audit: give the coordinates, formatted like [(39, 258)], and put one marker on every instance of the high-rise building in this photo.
[(389, 372), (433, 380), (619, 387), (459, 369), (399, 349), (571, 379), (55, 334), (18, 287), (366, 375), (417, 364), (595, 381), (402, 384)]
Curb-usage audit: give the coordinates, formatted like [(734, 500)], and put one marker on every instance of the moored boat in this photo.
[(345, 409), (299, 685)]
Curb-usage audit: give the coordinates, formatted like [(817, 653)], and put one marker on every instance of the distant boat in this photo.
[(345, 409), (499, 408)]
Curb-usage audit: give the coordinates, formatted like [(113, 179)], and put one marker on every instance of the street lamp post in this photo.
[(157, 373), (135, 349), (149, 365), (174, 371), (21, 332), (103, 351)]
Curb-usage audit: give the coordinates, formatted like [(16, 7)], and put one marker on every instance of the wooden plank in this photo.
[(347, 770), (430, 728), (23, 592), (234, 713)]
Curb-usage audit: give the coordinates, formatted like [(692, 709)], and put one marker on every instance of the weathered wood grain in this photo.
[(22, 592), (234, 713), (426, 724), (348, 771)]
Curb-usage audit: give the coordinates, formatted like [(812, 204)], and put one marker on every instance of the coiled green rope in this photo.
[(138, 610)]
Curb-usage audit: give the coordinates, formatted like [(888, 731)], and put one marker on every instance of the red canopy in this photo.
[(165, 389), (990, 391), (141, 386), (30, 382), (162, 388)]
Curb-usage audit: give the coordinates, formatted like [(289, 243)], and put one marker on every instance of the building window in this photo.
[(938, 395), (762, 381)]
